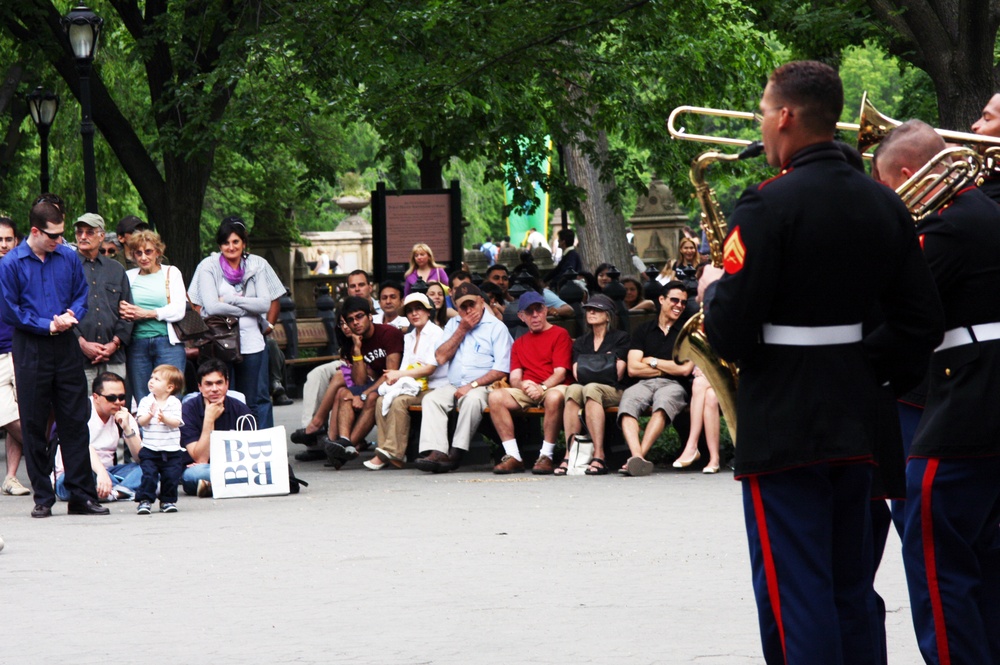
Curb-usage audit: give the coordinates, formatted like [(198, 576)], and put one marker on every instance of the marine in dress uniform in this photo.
[(809, 385), (951, 542), (989, 125)]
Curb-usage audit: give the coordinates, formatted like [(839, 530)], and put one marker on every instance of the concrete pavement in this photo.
[(399, 567)]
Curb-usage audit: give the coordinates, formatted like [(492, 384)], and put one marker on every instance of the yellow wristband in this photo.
[(357, 358)]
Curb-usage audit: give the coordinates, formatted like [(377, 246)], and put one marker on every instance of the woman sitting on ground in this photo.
[(592, 393)]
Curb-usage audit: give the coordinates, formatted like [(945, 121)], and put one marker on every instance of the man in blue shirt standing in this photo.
[(44, 296)]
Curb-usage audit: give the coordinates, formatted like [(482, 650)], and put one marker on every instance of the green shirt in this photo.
[(150, 292)]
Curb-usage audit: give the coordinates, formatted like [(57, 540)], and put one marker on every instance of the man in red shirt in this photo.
[(540, 365)]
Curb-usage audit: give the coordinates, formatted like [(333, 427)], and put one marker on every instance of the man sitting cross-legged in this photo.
[(661, 383), (374, 348), (539, 371)]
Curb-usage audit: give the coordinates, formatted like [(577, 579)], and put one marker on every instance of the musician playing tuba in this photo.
[(952, 493), (785, 311)]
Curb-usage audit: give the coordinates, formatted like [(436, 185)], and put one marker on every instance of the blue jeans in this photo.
[(126, 475), (191, 476), (144, 354), (251, 378)]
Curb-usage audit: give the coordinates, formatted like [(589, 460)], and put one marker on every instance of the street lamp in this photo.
[(43, 106), (83, 27)]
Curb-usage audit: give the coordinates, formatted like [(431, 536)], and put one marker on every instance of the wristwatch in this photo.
[(653, 363), (363, 396), (474, 384)]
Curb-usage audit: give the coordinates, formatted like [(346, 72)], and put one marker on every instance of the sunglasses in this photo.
[(52, 236), (114, 398), (109, 252), (677, 301)]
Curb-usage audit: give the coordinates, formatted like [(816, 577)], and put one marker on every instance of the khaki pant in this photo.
[(434, 419), (394, 427)]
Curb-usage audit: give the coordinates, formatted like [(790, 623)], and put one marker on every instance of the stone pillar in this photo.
[(658, 224)]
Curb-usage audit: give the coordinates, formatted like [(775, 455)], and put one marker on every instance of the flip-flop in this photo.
[(601, 469), (561, 469)]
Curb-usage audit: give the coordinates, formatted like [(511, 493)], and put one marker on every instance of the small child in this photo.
[(161, 457)]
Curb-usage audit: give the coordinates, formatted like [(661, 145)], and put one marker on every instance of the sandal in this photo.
[(561, 469), (601, 470)]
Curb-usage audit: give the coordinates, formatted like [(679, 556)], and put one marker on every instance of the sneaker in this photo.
[(122, 493), (168, 507), (13, 487), (310, 455), (145, 508), (204, 489)]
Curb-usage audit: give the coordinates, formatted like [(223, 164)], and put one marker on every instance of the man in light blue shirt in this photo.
[(477, 344)]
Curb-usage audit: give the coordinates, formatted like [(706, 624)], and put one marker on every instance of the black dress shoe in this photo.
[(88, 507), (300, 436), (41, 511), (311, 455), (281, 399)]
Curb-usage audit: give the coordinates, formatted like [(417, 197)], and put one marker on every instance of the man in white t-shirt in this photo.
[(109, 421)]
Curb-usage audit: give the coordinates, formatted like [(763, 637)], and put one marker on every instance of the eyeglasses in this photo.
[(114, 398), (108, 252), (84, 230), (677, 301), (354, 318), (144, 252)]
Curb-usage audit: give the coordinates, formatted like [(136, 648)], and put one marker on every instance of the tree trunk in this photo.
[(602, 229), (179, 221), (953, 41), (8, 149), (431, 169)]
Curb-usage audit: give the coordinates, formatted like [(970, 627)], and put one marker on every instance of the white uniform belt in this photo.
[(811, 335), (983, 332)]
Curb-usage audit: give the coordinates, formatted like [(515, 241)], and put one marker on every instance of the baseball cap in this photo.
[(601, 302), (91, 219), (131, 224), (420, 299), (465, 291), (529, 298)]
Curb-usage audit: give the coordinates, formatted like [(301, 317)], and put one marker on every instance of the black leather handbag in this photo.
[(597, 368)]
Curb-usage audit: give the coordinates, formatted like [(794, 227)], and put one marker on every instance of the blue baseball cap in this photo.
[(529, 298)]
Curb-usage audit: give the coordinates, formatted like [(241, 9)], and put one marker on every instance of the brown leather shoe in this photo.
[(543, 466), (509, 465), (434, 462)]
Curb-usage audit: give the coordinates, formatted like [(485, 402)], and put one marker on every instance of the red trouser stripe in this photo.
[(927, 536), (770, 572)]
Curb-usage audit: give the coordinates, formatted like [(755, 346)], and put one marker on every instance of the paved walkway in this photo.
[(397, 567)]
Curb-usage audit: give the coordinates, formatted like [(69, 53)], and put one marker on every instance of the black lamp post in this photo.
[(43, 106), (83, 27)]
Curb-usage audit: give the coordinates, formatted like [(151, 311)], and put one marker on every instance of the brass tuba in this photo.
[(931, 188), (692, 344)]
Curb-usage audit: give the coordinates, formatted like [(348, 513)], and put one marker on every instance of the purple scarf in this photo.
[(233, 275)]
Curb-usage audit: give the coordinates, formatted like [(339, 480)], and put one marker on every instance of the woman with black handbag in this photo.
[(238, 285), (599, 369)]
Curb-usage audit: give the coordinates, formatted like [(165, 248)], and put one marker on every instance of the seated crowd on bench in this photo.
[(472, 367)]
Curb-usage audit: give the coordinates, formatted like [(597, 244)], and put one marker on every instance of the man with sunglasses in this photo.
[(102, 333), (109, 421), (44, 294), (660, 384)]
